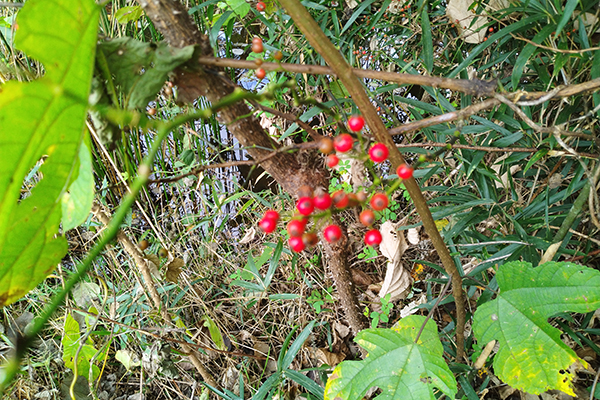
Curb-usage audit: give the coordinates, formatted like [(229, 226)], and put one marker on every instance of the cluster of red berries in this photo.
[(308, 202), (257, 47), (306, 205)]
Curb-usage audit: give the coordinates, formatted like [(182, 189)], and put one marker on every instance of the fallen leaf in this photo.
[(153, 263), (84, 293), (397, 278), (249, 236), (550, 252), (470, 26), (360, 278), (393, 244), (413, 236), (173, 269), (341, 329), (329, 358), (413, 306)]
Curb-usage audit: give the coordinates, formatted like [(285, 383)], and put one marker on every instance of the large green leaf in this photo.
[(401, 368), (42, 121), (532, 357)]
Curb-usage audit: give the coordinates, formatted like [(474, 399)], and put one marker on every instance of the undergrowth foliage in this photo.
[(460, 216)]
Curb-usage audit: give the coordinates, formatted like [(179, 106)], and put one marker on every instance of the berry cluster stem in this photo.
[(343, 70)]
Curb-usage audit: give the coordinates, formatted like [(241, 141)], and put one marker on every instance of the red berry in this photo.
[(404, 171), (379, 201), (296, 227), (272, 214), (367, 217), (260, 73), (332, 233), (278, 55), (379, 152), (332, 160), (322, 201), (310, 239), (296, 244), (152, 111), (340, 199), (373, 237), (356, 123), (260, 6), (268, 225), (343, 142), (305, 205)]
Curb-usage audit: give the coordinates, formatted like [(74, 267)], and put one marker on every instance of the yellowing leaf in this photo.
[(531, 357), (441, 224), (37, 119)]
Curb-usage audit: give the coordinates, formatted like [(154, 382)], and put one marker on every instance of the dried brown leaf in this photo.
[(173, 269), (153, 262)]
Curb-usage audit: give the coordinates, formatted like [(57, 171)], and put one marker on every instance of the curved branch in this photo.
[(332, 56)]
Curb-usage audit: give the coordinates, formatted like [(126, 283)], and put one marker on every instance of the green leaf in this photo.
[(140, 68), (427, 40), (532, 357), (77, 202), (566, 15), (401, 368), (129, 14), (240, 7), (128, 358), (71, 342), (526, 54), (339, 90), (215, 332), (42, 121)]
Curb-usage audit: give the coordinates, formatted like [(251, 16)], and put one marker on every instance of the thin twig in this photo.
[(541, 46), (470, 86), (435, 306)]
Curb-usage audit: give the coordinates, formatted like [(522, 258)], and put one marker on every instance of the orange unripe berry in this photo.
[(325, 145), (367, 217)]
